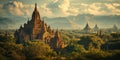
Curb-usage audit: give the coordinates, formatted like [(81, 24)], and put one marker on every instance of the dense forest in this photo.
[(77, 47)]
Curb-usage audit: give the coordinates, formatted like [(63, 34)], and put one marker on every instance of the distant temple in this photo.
[(96, 28), (115, 28), (87, 29), (37, 29)]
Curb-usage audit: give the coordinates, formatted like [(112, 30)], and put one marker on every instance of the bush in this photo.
[(35, 50), (73, 48), (93, 41)]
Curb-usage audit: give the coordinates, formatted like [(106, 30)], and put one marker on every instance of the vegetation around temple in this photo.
[(77, 46)]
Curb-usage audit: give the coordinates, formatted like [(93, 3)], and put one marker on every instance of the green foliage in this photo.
[(111, 45), (11, 51), (2, 57), (116, 36), (115, 55), (74, 48), (77, 56), (35, 50), (65, 38), (6, 38), (91, 41)]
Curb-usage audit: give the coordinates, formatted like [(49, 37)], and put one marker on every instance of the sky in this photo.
[(69, 14)]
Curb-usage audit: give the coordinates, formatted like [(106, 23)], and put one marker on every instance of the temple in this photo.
[(96, 28), (87, 29), (37, 29)]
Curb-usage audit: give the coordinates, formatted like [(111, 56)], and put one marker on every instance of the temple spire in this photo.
[(35, 14), (35, 6), (96, 27), (87, 26)]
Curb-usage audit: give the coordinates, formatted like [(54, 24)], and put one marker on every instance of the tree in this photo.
[(37, 50), (12, 51), (73, 48), (86, 41), (6, 38), (116, 36)]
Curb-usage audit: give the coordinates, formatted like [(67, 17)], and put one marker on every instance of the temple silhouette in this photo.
[(37, 29)]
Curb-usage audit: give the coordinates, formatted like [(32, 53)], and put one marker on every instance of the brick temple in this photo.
[(37, 29)]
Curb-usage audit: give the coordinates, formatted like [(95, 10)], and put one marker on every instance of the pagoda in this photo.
[(87, 29), (96, 28), (35, 29), (115, 28), (56, 42)]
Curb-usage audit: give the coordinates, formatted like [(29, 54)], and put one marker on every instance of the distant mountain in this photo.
[(79, 21), (5, 22), (10, 23), (69, 22)]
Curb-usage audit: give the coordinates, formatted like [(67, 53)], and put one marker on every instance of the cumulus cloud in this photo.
[(73, 11), (45, 11), (59, 7), (52, 9), (99, 8), (113, 8), (66, 8), (93, 8), (15, 8)]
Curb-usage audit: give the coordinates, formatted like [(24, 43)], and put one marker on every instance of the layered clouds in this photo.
[(98, 8), (16, 8), (61, 8)]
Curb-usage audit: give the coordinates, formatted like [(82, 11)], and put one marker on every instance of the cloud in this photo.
[(93, 8), (51, 9), (95, 1), (73, 11), (15, 8), (45, 11), (98, 8), (59, 7), (113, 8), (66, 8)]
